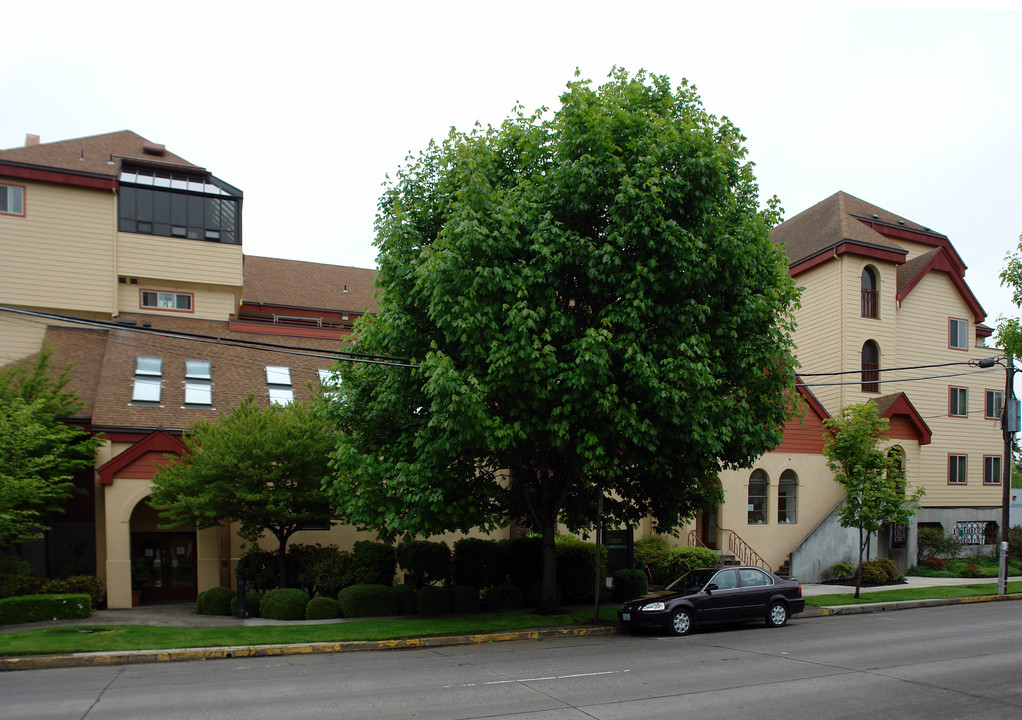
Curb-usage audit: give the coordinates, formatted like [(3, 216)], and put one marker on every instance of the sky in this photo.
[(308, 107)]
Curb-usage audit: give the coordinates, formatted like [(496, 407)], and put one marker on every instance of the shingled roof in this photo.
[(95, 153), (308, 285)]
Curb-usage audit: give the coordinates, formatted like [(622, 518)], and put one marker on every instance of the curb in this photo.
[(137, 657), (903, 605)]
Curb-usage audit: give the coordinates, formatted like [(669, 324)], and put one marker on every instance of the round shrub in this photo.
[(576, 568), (433, 600), (523, 560), (427, 563), (259, 568), (478, 563), (368, 600), (842, 570), (503, 597), (464, 600), (88, 584), (405, 595), (630, 584), (215, 601), (665, 562), (374, 563), (253, 602), (879, 571), (321, 608), (284, 604)]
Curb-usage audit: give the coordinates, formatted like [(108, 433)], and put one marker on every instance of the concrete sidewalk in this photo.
[(910, 582)]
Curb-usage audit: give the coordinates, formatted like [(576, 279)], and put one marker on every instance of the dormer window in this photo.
[(198, 383), (278, 384), (870, 294)]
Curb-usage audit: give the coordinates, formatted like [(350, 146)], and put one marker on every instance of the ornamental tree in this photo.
[(872, 476), (262, 467), (39, 452), (591, 305)]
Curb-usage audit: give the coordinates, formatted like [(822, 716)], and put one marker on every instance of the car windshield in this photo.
[(693, 581)]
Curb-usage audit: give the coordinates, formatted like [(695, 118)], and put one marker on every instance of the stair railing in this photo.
[(743, 551)]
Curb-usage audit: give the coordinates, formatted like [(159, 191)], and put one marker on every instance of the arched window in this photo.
[(787, 498), (870, 306), (870, 367), (758, 484)]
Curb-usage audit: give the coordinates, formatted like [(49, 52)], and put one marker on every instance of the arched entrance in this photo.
[(164, 565)]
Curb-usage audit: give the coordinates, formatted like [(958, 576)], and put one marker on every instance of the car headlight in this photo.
[(650, 607)]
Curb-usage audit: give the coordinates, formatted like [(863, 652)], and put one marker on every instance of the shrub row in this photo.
[(665, 562), (35, 608), (16, 579)]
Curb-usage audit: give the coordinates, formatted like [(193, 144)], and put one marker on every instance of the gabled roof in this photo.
[(143, 455), (293, 283), (939, 260), (897, 405), (94, 154)]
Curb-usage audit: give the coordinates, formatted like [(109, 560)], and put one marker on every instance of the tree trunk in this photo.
[(548, 602), (858, 568), (282, 561)]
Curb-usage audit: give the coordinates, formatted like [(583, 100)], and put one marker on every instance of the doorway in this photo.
[(163, 566)]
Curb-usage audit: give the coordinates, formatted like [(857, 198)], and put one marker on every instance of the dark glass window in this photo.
[(870, 367), (175, 205), (869, 293)]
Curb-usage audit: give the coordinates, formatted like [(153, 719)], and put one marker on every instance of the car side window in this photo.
[(753, 578), (726, 580)]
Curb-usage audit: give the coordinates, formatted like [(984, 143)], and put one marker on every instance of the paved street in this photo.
[(958, 661)]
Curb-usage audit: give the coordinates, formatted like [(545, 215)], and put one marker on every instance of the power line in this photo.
[(335, 355), (879, 381)]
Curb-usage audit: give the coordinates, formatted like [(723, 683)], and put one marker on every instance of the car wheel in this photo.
[(681, 622), (777, 616)]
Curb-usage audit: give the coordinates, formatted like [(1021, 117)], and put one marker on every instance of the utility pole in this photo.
[(1009, 426)]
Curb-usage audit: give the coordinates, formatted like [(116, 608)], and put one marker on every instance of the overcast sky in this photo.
[(307, 107)]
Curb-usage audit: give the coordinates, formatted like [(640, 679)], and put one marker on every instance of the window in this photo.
[(278, 384), (958, 334), (976, 532), (758, 484), (991, 469), (787, 497), (198, 384), (870, 367), (330, 381), (869, 293), (148, 379), (159, 202), (166, 300), (993, 405), (957, 402), (751, 577), (726, 580), (956, 467), (12, 200)]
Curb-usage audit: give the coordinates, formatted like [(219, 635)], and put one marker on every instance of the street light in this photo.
[(1009, 426)]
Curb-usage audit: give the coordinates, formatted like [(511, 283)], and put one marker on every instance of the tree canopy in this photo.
[(39, 453), (1009, 330), (263, 467), (593, 306), (871, 474)]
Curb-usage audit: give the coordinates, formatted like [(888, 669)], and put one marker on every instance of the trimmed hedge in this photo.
[(321, 608), (375, 563), (478, 563), (523, 560), (576, 568), (503, 597), (215, 601), (880, 571), (405, 595), (630, 584), (433, 600), (424, 562), (36, 608), (368, 600), (284, 604), (253, 603), (465, 600)]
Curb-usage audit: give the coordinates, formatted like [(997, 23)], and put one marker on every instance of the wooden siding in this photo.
[(803, 435), (858, 330), (208, 302), (21, 336), (177, 259), (817, 335), (60, 255)]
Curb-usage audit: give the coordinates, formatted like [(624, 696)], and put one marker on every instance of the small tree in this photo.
[(875, 490), (39, 453), (263, 467)]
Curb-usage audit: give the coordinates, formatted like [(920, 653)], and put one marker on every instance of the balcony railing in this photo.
[(869, 303), (870, 377)]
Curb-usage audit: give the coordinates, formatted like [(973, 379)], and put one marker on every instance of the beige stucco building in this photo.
[(145, 249)]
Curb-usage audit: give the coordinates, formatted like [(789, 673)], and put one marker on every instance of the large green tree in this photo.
[(263, 467), (592, 304), (39, 453), (871, 474), (1009, 329)]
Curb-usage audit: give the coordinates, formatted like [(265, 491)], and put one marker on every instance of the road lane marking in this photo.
[(538, 679)]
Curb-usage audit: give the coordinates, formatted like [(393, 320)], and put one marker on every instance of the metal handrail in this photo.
[(743, 550)]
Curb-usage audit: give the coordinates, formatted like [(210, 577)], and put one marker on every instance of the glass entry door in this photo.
[(163, 566)]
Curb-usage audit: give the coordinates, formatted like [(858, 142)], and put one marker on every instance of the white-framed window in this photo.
[(993, 405), (198, 383), (330, 381), (160, 300), (992, 469), (958, 334), (957, 401), (957, 466), (758, 485), (148, 379), (787, 498), (12, 200), (278, 384)]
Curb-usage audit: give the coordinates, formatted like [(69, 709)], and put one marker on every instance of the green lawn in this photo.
[(103, 638), (980, 588)]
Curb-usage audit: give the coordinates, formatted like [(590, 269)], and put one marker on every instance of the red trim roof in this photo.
[(158, 442), (900, 405), (942, 262)]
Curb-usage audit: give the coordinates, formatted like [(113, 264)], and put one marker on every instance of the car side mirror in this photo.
[(711, 587)]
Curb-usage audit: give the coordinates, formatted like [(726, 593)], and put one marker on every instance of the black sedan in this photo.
[(716, 595)]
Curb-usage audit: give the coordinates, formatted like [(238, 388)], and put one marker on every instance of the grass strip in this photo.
[(109, 638), (978, 589)]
